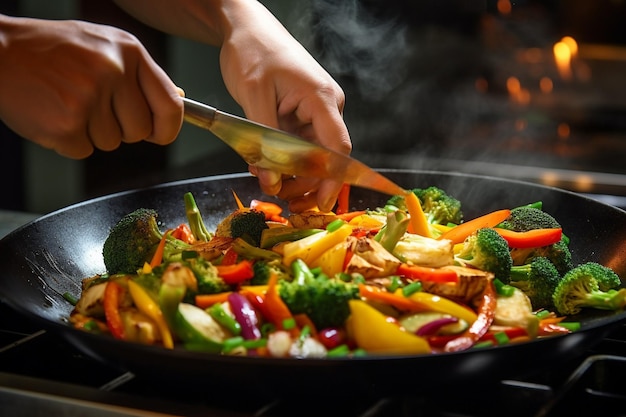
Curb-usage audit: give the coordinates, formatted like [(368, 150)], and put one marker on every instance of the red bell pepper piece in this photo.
[(113, 292), (271, 210), (183, 232), (236, 273), (531, 239), (486, 313), (423, 273), (230, 257)]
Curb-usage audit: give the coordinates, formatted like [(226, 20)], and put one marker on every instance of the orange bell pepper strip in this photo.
[(383, 296), (207, 300), (417, 220), (271, 210), (459, 233), (343, 200), (531, 239), (425, 273), (113, 292), (235, 273), (486, 314), (275, 308)]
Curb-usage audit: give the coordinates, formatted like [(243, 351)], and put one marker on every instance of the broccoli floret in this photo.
[(558, 253), (194, 218), (525, 218), (133, 241), (245, 223), (393, 230), (538, 280), (589, 285), (438, 206), (324, 300), (264, 268), (206, 275), (486, 250)]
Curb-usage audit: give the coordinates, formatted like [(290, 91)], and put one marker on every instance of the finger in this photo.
[(164, 101), (269, 181), (103, 128), (327, 194), (133, 114)]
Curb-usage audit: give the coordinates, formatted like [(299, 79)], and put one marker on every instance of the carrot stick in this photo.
[(343, 200), (459, 233), (418, 223), (400, 302), (237, 200), (207, 300), (157, 258)]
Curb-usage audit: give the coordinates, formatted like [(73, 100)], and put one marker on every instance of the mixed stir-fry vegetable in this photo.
[(412, 277)]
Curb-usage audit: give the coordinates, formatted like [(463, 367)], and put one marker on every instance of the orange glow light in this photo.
[(504, 6), (545, 85), (563, 58)]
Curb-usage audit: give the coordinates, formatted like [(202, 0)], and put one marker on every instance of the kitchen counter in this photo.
[(11, 220)]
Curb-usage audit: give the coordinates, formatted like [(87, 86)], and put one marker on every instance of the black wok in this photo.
[(49, 256)]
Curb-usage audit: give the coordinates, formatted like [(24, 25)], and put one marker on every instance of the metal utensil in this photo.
[(279, 151)]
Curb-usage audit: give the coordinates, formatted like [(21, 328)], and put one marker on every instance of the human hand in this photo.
[(278, 83), (74, 86)]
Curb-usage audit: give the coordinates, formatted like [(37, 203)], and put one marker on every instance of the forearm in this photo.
[(206, 21)]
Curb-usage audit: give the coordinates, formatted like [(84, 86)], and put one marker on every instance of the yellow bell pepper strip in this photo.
[(373, 332), (113, 292), (442, 305), (236, 273), (157, 258), (205, 301), (150, 308), (343, 200), (396, 300), (424, 273), (532, 238), (486, 314), (418, 223), (311, 247), (459, 233)]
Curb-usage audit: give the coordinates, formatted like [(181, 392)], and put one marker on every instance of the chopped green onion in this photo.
[(232, 343), (396, 283), (267, 328), (486, 343), (412, 288), (334, 225), (92, 326), (542, 314), (570, 325), (70, 298), (501, 338), (502, 288), (359, 352), (289, 323), (339, 351), (305, 332)]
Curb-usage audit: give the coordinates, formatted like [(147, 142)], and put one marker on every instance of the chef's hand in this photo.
[(278, 83), (74, 86)]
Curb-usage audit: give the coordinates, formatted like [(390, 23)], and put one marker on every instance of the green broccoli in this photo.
[(264, 268), (206, 275), (589, 285), (558, 253), (324, 300), (438, 206), (525, 218), (245, 223), (393, 230), (485, 249), (538, 280), (133, 241), (194, 218)]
